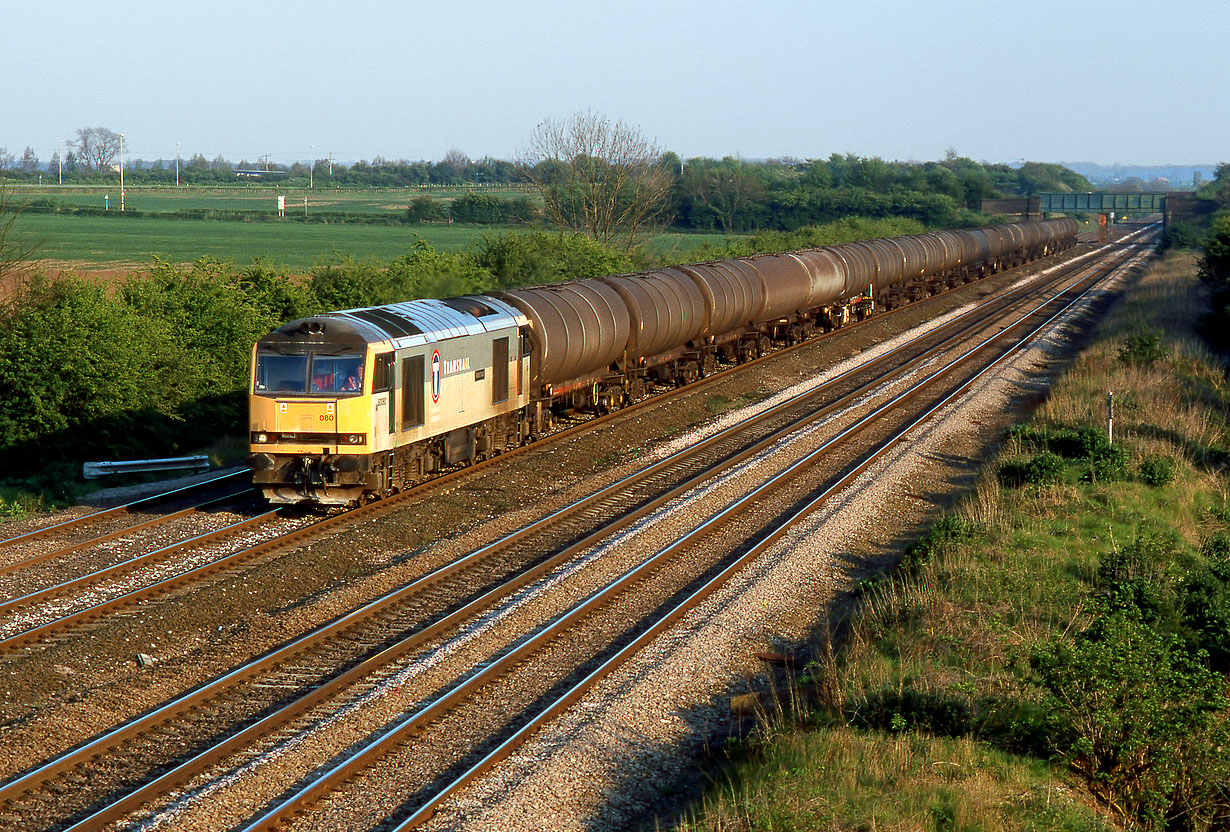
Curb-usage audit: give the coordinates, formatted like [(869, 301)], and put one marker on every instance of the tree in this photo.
[(453, 166), (728, 189), (29, 159), (97, 147), (6, 158), (15, 251), (597, 177)]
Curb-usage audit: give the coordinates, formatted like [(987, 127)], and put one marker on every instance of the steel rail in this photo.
[(574, 694), (34, 634), (98, 747), (333, 630), (129, 565), (160, 520), (115, 511)]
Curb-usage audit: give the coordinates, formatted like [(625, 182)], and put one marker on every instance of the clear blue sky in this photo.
[(1132, 81)]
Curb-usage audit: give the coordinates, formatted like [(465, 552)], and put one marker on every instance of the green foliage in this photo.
[(1076, 443), (425, 209), (1181, 235), (1140, 718), (1142, 349), (1139, 694), (539, 257), (813, 236), (420, 273), (1108, 463), (908, 709), (1204, 604), (1215, 264), (946, 532), (1156, 470), (1045, 468), (489, 209)]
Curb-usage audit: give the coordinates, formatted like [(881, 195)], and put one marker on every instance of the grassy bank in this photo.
[(1053, 655)]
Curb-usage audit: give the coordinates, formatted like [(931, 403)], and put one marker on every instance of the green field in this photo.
[(256, 198), (114, 239)]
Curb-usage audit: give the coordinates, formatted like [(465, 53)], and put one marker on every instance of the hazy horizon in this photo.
[(1124, 85)]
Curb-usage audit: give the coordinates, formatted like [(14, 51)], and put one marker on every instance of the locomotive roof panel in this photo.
[(406, 324)]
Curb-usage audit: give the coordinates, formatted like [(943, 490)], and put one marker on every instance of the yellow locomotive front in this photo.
[(311, 413)]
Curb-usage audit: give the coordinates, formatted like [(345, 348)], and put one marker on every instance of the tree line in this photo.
[(604, 179)]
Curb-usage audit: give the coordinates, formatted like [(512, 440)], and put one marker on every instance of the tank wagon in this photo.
[(359, 403)]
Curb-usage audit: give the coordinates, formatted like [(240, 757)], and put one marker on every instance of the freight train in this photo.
[(352, 405)]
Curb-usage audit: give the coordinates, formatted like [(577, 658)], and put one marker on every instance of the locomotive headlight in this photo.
[(261, 438), (355, 439)]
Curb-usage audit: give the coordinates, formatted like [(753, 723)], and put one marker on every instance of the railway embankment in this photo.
[(1054, 652)]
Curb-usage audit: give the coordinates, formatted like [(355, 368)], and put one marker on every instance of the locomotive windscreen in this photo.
[(311, 374)]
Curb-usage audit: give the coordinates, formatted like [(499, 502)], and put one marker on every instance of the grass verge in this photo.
[(1053, 655)]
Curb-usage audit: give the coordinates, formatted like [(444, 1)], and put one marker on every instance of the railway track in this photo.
[(265, 702), (86, 602), (108, 524)]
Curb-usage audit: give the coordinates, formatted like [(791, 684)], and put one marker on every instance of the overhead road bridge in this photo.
[(1172, 205)]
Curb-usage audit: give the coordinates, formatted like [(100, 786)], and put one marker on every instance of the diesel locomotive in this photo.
[(356, 404)]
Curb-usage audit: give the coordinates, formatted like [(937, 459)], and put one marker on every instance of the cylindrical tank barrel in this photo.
[(576, 328), (731, 294), (666, 310)]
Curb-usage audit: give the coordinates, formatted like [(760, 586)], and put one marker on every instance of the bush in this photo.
[(1156, 470), (1204, 602), (1140, 720), (1181, 235), (425, 209), (1106, 464), (1046, 469), (1142, 349), (944, 533)]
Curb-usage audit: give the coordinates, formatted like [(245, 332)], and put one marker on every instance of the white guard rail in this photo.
[(93, 470)]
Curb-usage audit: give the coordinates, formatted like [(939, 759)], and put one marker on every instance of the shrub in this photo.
[(944, 533), (1046, 469), (1204, 602), (909, 709), (1106, 464), (1142, 349), (1140, 718), (1156, 470), (425, 209), (1078, 443)]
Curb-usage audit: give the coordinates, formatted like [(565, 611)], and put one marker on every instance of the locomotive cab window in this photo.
[(337, 374), (309, 374), (281, 373)]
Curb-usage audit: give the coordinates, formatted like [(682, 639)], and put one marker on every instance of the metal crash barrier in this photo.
[(94, 470)]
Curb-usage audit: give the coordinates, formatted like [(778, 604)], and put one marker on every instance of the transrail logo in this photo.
[(435, 376), (453, 366)]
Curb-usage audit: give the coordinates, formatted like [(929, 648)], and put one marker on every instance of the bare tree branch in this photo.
[(597, 178)]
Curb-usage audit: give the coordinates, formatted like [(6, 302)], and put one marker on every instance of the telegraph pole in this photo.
[(121, 171)]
